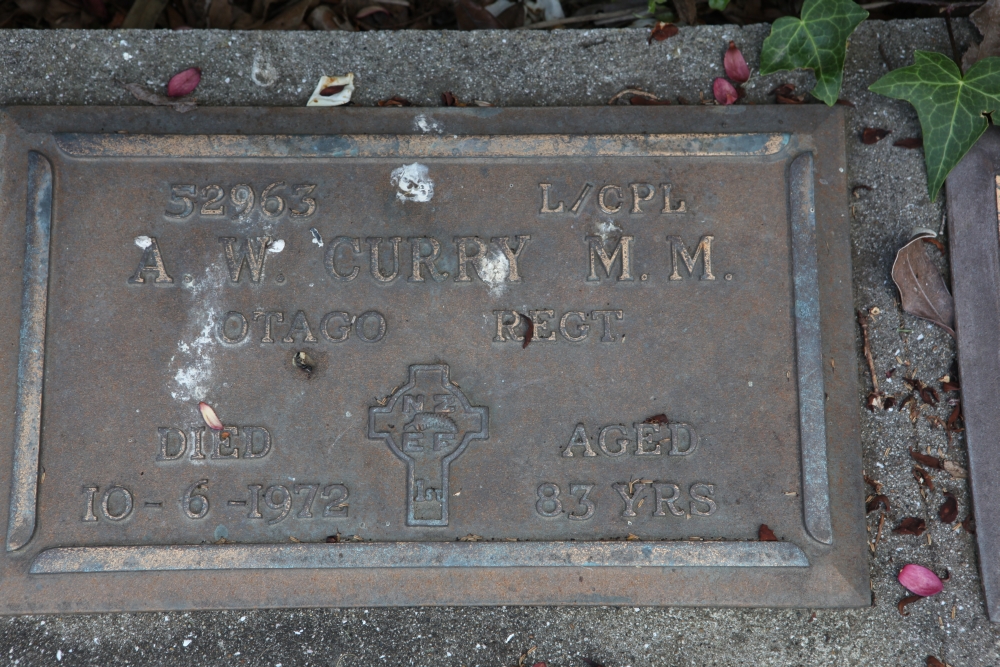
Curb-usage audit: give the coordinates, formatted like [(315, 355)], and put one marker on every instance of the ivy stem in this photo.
[(951, 38)]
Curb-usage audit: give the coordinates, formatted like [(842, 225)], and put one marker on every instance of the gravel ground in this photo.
[(527, 68)]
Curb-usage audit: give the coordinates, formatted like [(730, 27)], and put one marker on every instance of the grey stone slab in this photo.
[(576, 68)]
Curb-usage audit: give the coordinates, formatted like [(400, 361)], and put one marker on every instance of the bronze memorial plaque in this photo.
[(457, 356)]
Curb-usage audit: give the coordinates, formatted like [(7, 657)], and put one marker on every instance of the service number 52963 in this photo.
[(240, 200)]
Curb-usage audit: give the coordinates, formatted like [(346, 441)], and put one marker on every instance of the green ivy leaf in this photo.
[(817, 41), (950, 107), (718, 5)]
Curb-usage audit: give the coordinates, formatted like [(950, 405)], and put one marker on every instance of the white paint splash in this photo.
[(276, 246), (493, 268), (143, 241), (192, 363), (607, 228), (316, 236), (192, 378), (426, 125), (413, 182)]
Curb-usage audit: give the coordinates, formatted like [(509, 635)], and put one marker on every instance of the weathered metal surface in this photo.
[(974, 229), (31, 353), (495, 356)]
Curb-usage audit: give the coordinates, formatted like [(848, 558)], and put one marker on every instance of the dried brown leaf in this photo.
[(909, 599), (529, 331), (948, 511), (371, 10), (921, 287), (923, 477), (935, 242), (656, 419), (926, 459), (513, 17), (220, 14), (662, 31), (936, 422), (322, 18), (932, 661), (144, 13), (873, 504), (97, 8), (687, 11), (143, 95), (765, 534), (874, 483), (873, 135), (987, 21), (910, 525), (956, 471), (395, 101), (292, 16), (472, 16), (955, 417), (969, 524)]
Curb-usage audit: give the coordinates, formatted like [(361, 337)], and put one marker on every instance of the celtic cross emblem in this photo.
[(428, 423)]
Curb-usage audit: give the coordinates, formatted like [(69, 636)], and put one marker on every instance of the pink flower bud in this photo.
[(736, 66), (184, 83), (724, 91), (920, 581)]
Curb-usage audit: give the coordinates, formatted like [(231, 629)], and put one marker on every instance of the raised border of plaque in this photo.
[(829, 571)]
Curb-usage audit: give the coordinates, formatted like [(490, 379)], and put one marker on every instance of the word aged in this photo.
[(272, 503), (643, 439)]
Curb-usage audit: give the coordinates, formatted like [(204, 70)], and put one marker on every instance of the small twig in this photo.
[(951, 38), (878, 535), (585, 19), (863, 321), (633, 91)]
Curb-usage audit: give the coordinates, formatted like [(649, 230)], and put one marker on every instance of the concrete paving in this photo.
[(527, 68)]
